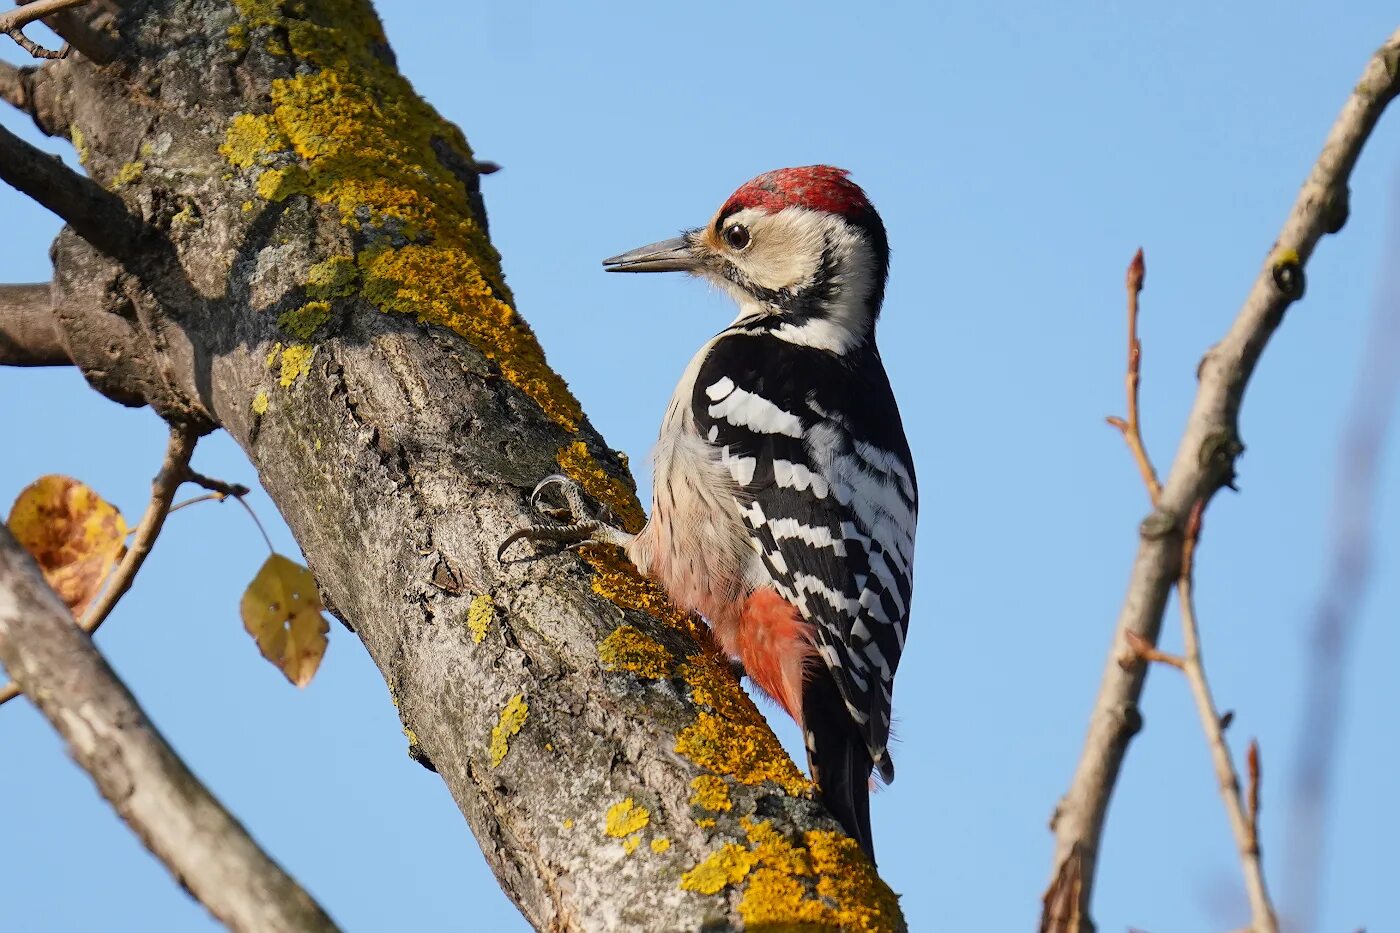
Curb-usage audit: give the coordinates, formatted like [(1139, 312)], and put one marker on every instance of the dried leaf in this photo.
[(281, 609), (73, 533)]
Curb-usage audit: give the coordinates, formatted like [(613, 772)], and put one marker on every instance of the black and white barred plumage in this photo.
[(826, 489), (785, 500)]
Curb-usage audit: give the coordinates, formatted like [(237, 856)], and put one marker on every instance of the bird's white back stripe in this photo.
[(720, 389), (806, 583), (815, 535), (740, 467), (885, 462), (747, 410), (877, 658), (791, 475)]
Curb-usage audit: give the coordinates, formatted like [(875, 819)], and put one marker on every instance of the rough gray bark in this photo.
[(613, 772), (134, 768)]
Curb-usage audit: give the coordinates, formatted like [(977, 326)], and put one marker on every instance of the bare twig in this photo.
[(13, 23), (109, 735), (1204, 463), (1242, 816), (1132, 427), (1336, 617), (173, 472), (28, 328), (90, 28), (94, 213), (1139, 650), (218, 486)]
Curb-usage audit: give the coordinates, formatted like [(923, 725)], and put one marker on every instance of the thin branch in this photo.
[(1205, 462), (35, 91), (173, 471), (88, 28), (1139, 650), (29, 334), (216, 486), (94, 213), (1243, 818), (254, 516), (1132, 427), (13, 22), (108, 734)]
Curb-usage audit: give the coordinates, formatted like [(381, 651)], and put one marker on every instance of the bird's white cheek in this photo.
[(779, 269)]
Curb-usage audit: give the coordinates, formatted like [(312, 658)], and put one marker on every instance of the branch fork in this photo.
[(12, 24)]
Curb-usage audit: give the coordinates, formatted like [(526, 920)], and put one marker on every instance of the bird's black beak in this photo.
[(673, 255)]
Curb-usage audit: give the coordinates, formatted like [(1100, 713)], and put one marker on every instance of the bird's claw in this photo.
[(572, 526)]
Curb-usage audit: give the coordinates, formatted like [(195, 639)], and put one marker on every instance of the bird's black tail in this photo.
[(839, 761)]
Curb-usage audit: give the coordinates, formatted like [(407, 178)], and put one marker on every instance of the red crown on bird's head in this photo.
[(815, 187)]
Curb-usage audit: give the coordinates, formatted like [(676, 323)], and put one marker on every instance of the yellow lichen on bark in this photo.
[(625, 818), (479, 615), (630, 649), (304, 321), (296, 362), (730, 865), (580, 466), (710, 792), (616, 579), (734, 740), (511, 722), (745, 751), (824, 882), (349, 131), (128, 173)]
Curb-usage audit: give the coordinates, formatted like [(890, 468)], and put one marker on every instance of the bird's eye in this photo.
[(737, 236)]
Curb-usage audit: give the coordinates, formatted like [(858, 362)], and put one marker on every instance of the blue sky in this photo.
[(1019, 153)]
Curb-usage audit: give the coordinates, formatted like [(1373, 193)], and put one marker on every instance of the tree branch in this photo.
[(174, 471), (94, 213), (12, 89), (37, 92), (1131, 428), (109, 735), (29, 333), (89, 27), (1243, 818), (13, 22), (1204, 463)]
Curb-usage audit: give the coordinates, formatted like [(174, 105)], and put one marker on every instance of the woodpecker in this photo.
[(785, 500)]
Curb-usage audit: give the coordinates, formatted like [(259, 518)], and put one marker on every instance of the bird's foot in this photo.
[(573, 525)]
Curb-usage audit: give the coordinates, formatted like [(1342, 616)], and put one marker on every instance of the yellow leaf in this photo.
[(74, 535), (281, 609)]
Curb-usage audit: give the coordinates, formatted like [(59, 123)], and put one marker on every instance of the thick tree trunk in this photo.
[(318, 282)]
